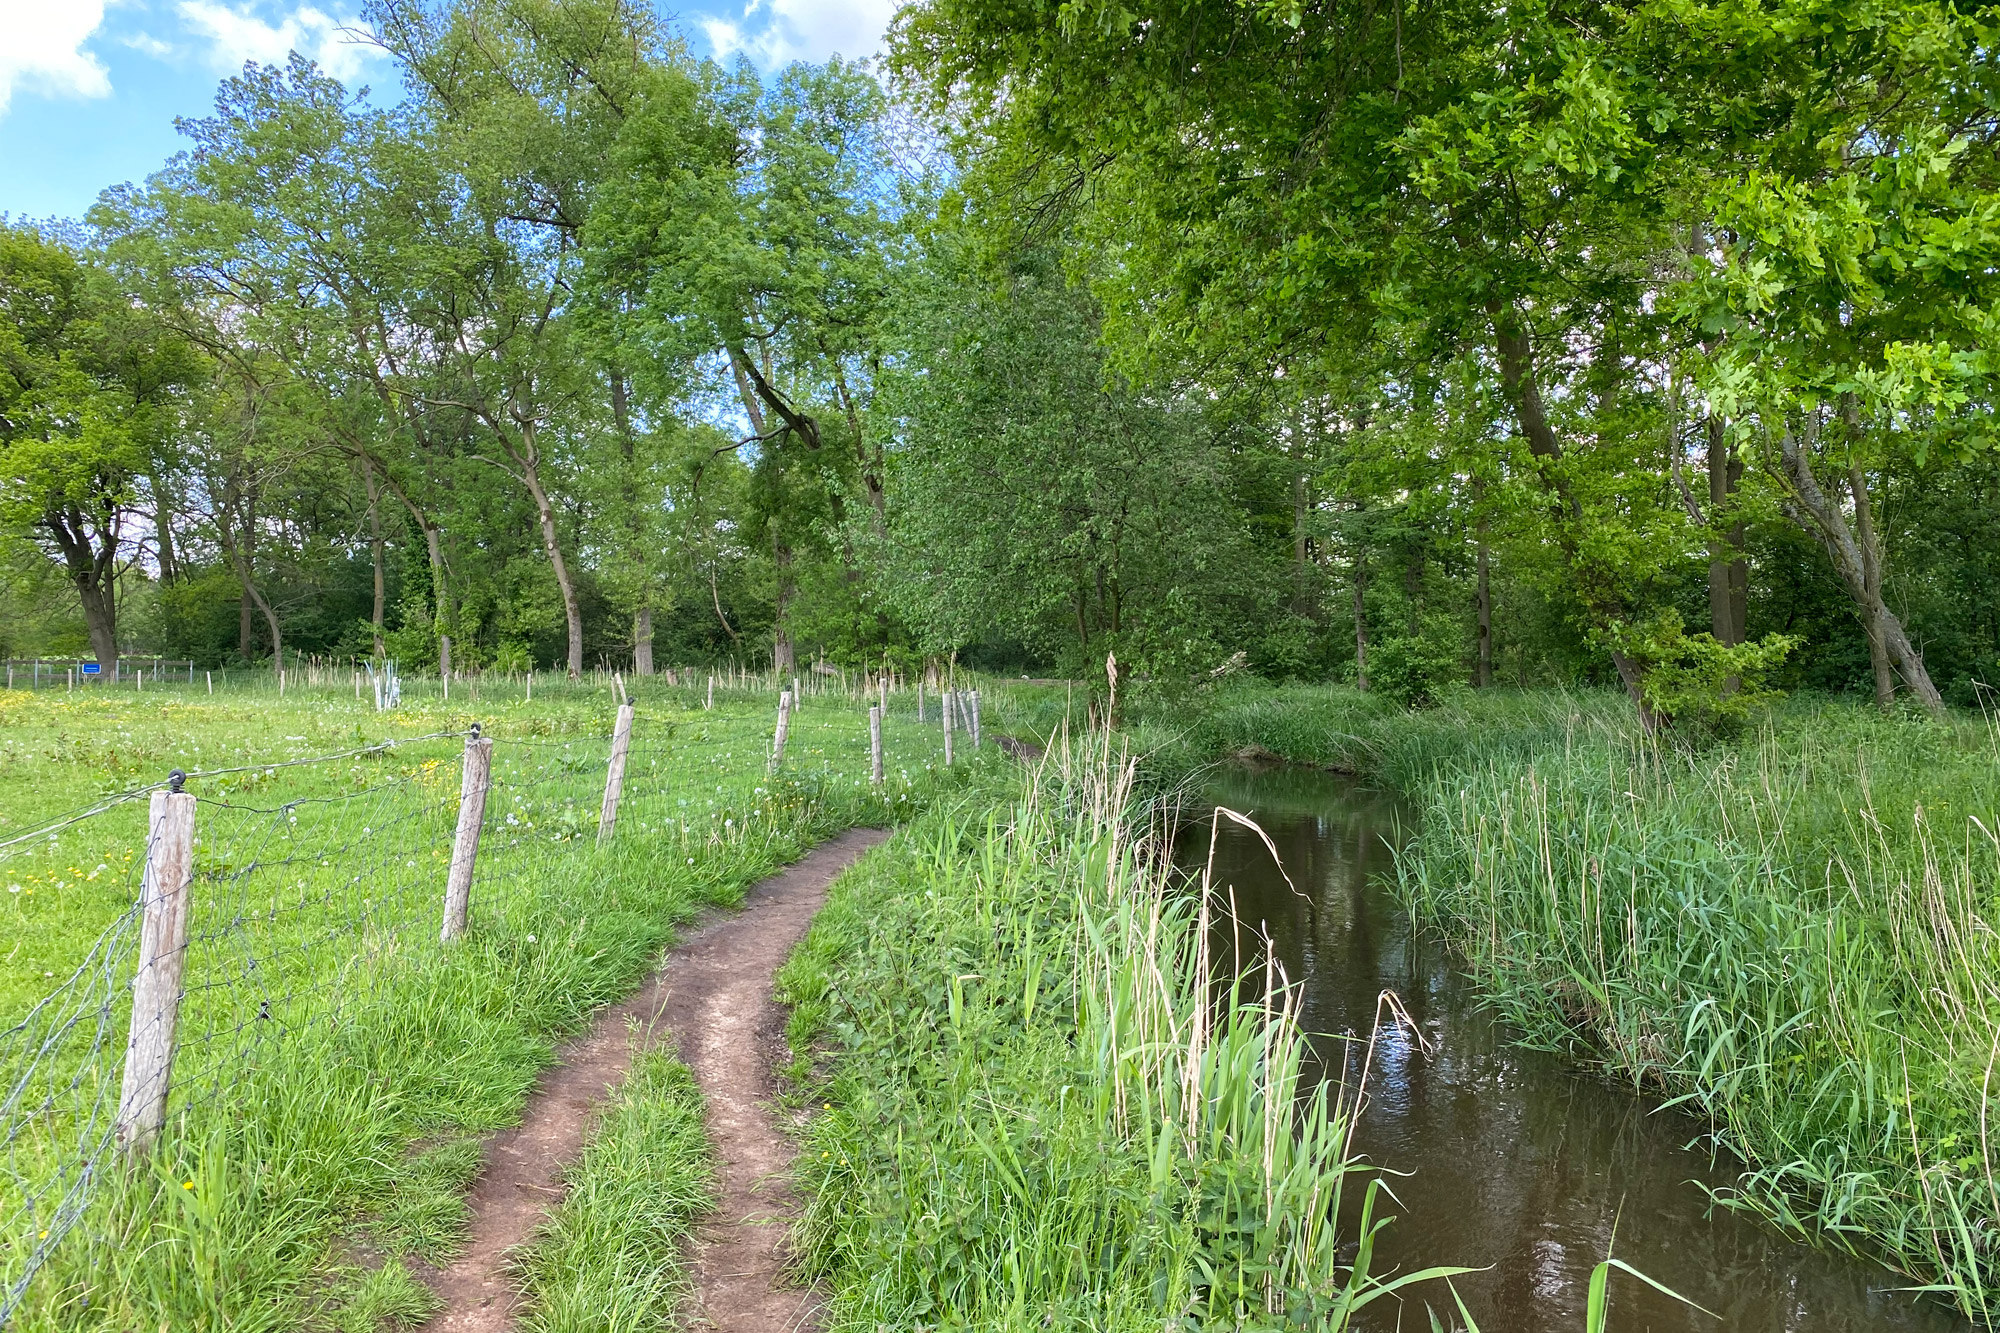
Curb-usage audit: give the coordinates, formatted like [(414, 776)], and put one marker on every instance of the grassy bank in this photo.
[(1032, 1119), (1791, 935), (338, 1064)]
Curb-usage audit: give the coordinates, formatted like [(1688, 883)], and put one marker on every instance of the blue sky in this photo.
[(89, 88)]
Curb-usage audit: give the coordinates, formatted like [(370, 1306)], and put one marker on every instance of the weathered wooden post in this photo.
[(944, 709), (474, 779), (784, 729), (920, 700), (972, 697), (875, 744), (156, 986), (711, 694), (614, 777)]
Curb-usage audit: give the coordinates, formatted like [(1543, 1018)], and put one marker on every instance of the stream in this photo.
[(1516, 1161)]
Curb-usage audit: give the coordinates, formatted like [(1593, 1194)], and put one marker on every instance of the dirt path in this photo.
[(714, 997)]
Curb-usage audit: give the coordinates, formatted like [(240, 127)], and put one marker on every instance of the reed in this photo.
[(1042, 1108), (1793, 937)]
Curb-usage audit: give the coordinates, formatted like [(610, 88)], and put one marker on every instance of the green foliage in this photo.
[(1421, 669), (1694, 683)]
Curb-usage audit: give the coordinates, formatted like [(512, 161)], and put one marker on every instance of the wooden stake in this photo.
[(972, 696), (944, 701), (711, 693), (210, 676), (156, 986), (614, 777), (920, 700), (474, 779), (784, 729), (875, 744)]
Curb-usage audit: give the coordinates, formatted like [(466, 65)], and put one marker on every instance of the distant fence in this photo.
[(60, 673), (263, 899)]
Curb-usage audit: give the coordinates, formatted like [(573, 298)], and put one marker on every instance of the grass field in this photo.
[(337, 1061)]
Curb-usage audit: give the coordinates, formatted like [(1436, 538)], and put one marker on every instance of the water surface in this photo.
[(1516, 1160)]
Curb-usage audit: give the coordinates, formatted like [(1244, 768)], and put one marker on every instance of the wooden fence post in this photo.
[(711, 693), (784, 729), (614, 777), (972, 697), (156, 986), (875, 744), (474, 779), (944, 708), (920, 700)]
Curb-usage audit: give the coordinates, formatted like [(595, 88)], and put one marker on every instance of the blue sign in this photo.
[(91, 669)]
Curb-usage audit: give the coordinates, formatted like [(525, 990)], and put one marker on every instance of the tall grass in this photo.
[(1042, 1110), (1793, 936)]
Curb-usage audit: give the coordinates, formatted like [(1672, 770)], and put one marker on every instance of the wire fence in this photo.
[(310, 889)]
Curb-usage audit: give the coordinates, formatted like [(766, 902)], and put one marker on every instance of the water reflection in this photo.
[(1515, 1161)]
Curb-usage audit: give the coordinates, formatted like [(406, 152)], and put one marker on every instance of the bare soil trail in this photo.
[(713, 996)]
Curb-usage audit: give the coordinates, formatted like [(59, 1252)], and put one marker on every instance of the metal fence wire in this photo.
[(315, 888), (308, 891)]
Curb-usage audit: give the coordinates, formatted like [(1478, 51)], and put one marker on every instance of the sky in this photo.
[(89, 89)]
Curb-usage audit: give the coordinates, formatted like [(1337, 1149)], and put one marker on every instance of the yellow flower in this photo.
[(43, 1236), (187, 1184)]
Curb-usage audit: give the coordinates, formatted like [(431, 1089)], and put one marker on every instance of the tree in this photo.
[(90, 389)]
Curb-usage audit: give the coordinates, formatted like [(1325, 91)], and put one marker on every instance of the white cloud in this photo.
[(777, 32), (233, 34), (41, 48)]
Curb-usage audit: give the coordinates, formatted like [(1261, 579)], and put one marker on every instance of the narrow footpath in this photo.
[(713, 999)]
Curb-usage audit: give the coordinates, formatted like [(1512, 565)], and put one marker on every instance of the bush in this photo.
[(1420, 670), (1695, 684)]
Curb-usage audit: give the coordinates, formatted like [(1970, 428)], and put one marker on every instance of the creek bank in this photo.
[(1777, 932)]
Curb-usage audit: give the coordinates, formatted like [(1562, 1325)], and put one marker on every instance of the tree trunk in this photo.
[(1810, 507), (1515, 352), (1871, 574), (93, 572), (1728, 572), (1302, 598), (783, 659), (1482, 670), (1360, 624), (551, 543), (642, 615), (163, 532), (375, 619), (866, 459), (440, 605), (241, 548), (642, 641)]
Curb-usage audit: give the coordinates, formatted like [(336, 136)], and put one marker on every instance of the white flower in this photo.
[(16, 888), (531, 939)]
